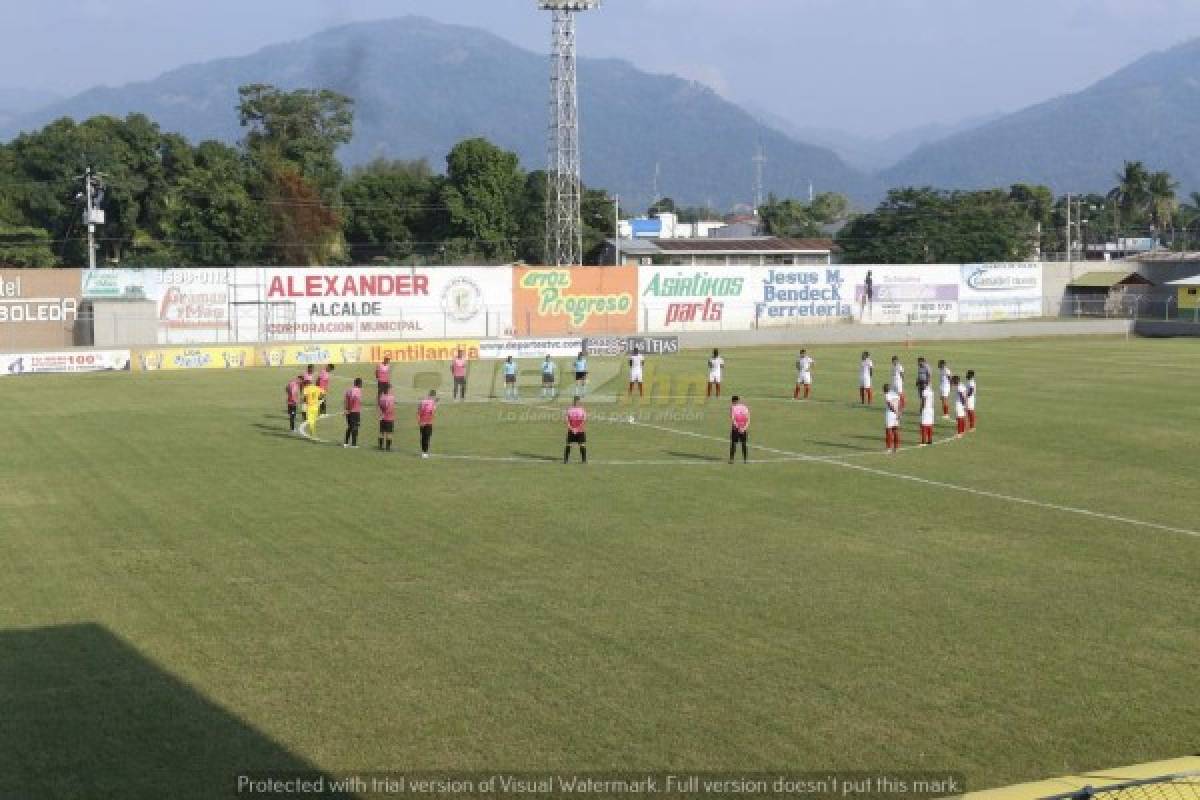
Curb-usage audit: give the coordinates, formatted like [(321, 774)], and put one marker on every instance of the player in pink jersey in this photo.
[(323, 380), (425, 411), (308, 377), (383, 376), (292, 393), (458, 371), (353, 413), (576, 431), (739, 415), (387, 418)]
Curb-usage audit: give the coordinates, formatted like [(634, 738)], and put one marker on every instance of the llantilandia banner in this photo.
[(559, 301), (364, 352)]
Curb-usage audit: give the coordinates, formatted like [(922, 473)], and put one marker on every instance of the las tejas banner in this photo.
[(65, 362), (333, 303), (905, 293), (549, 301), (696, 299)]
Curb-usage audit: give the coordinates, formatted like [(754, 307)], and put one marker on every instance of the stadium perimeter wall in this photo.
[(866, 334)]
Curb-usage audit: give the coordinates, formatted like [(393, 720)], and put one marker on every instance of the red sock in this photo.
[(971, 420), (962, 425), (807, 389), (945, 408), (796, 393), (870, 396)]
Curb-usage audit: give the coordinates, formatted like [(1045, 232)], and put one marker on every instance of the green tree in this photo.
[(483, 196), (531, 247), (787, 218), (291, 141), (302, 128), (596, 212), (663, 205), (1160, 200), (210, 217), (388, 212), (931, 226)]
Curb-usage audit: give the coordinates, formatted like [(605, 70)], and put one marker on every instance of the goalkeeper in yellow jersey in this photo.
[(312, 407)]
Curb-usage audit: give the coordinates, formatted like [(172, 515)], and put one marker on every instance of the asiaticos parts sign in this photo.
[(696, 299)]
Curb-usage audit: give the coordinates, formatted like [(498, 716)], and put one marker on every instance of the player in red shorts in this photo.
[(959, 393), (891, 418), (927, 412)]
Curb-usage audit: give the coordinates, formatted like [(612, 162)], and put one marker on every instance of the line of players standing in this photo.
[(959, 391), (313, 389)]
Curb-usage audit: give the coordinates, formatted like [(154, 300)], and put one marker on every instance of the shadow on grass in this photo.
[(86, 715), (693, 456), (844, 445), (536, 456), (282, 433)]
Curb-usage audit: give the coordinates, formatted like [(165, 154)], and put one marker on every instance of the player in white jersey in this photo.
[(944, 374), (891, 419), (804, 365), (866, 372), (636, 363), (927, 413), (959, 392), (971, 401), (716, 366), (898, 379)]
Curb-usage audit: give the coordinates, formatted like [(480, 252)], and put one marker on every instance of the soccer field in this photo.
[(190, 592)]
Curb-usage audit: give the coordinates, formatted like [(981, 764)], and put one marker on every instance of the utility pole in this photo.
[(1069, 259), (760, 161), (617, 228), (92, 216)]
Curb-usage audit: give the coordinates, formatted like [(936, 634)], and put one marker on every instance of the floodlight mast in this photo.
[(564, 227)]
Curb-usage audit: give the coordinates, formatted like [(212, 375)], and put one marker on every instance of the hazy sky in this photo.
[(866, 66)]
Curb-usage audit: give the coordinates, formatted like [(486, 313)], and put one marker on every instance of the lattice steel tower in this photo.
[(564, 228)]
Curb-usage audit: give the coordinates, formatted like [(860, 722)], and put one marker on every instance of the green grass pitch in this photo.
[(189, 592)]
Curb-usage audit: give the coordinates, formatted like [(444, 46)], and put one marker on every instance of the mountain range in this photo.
[(1149, 111), (421, 86)]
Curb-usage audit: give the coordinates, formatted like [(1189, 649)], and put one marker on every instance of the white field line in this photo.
[(838, 462), (788, 456)]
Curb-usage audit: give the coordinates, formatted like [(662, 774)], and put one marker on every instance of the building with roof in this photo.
[(1187, 297), (1106, 292), (718, 252)]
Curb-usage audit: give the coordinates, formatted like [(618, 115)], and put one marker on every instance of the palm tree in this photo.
[(1130, 195), (1161, 202)]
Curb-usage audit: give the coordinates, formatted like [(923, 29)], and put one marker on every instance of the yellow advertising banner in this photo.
[(364, 352), (299, 355), (403, 352), (173, 358)]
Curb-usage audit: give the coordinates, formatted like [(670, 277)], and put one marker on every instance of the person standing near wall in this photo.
[(458, 371), (425, 413)]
